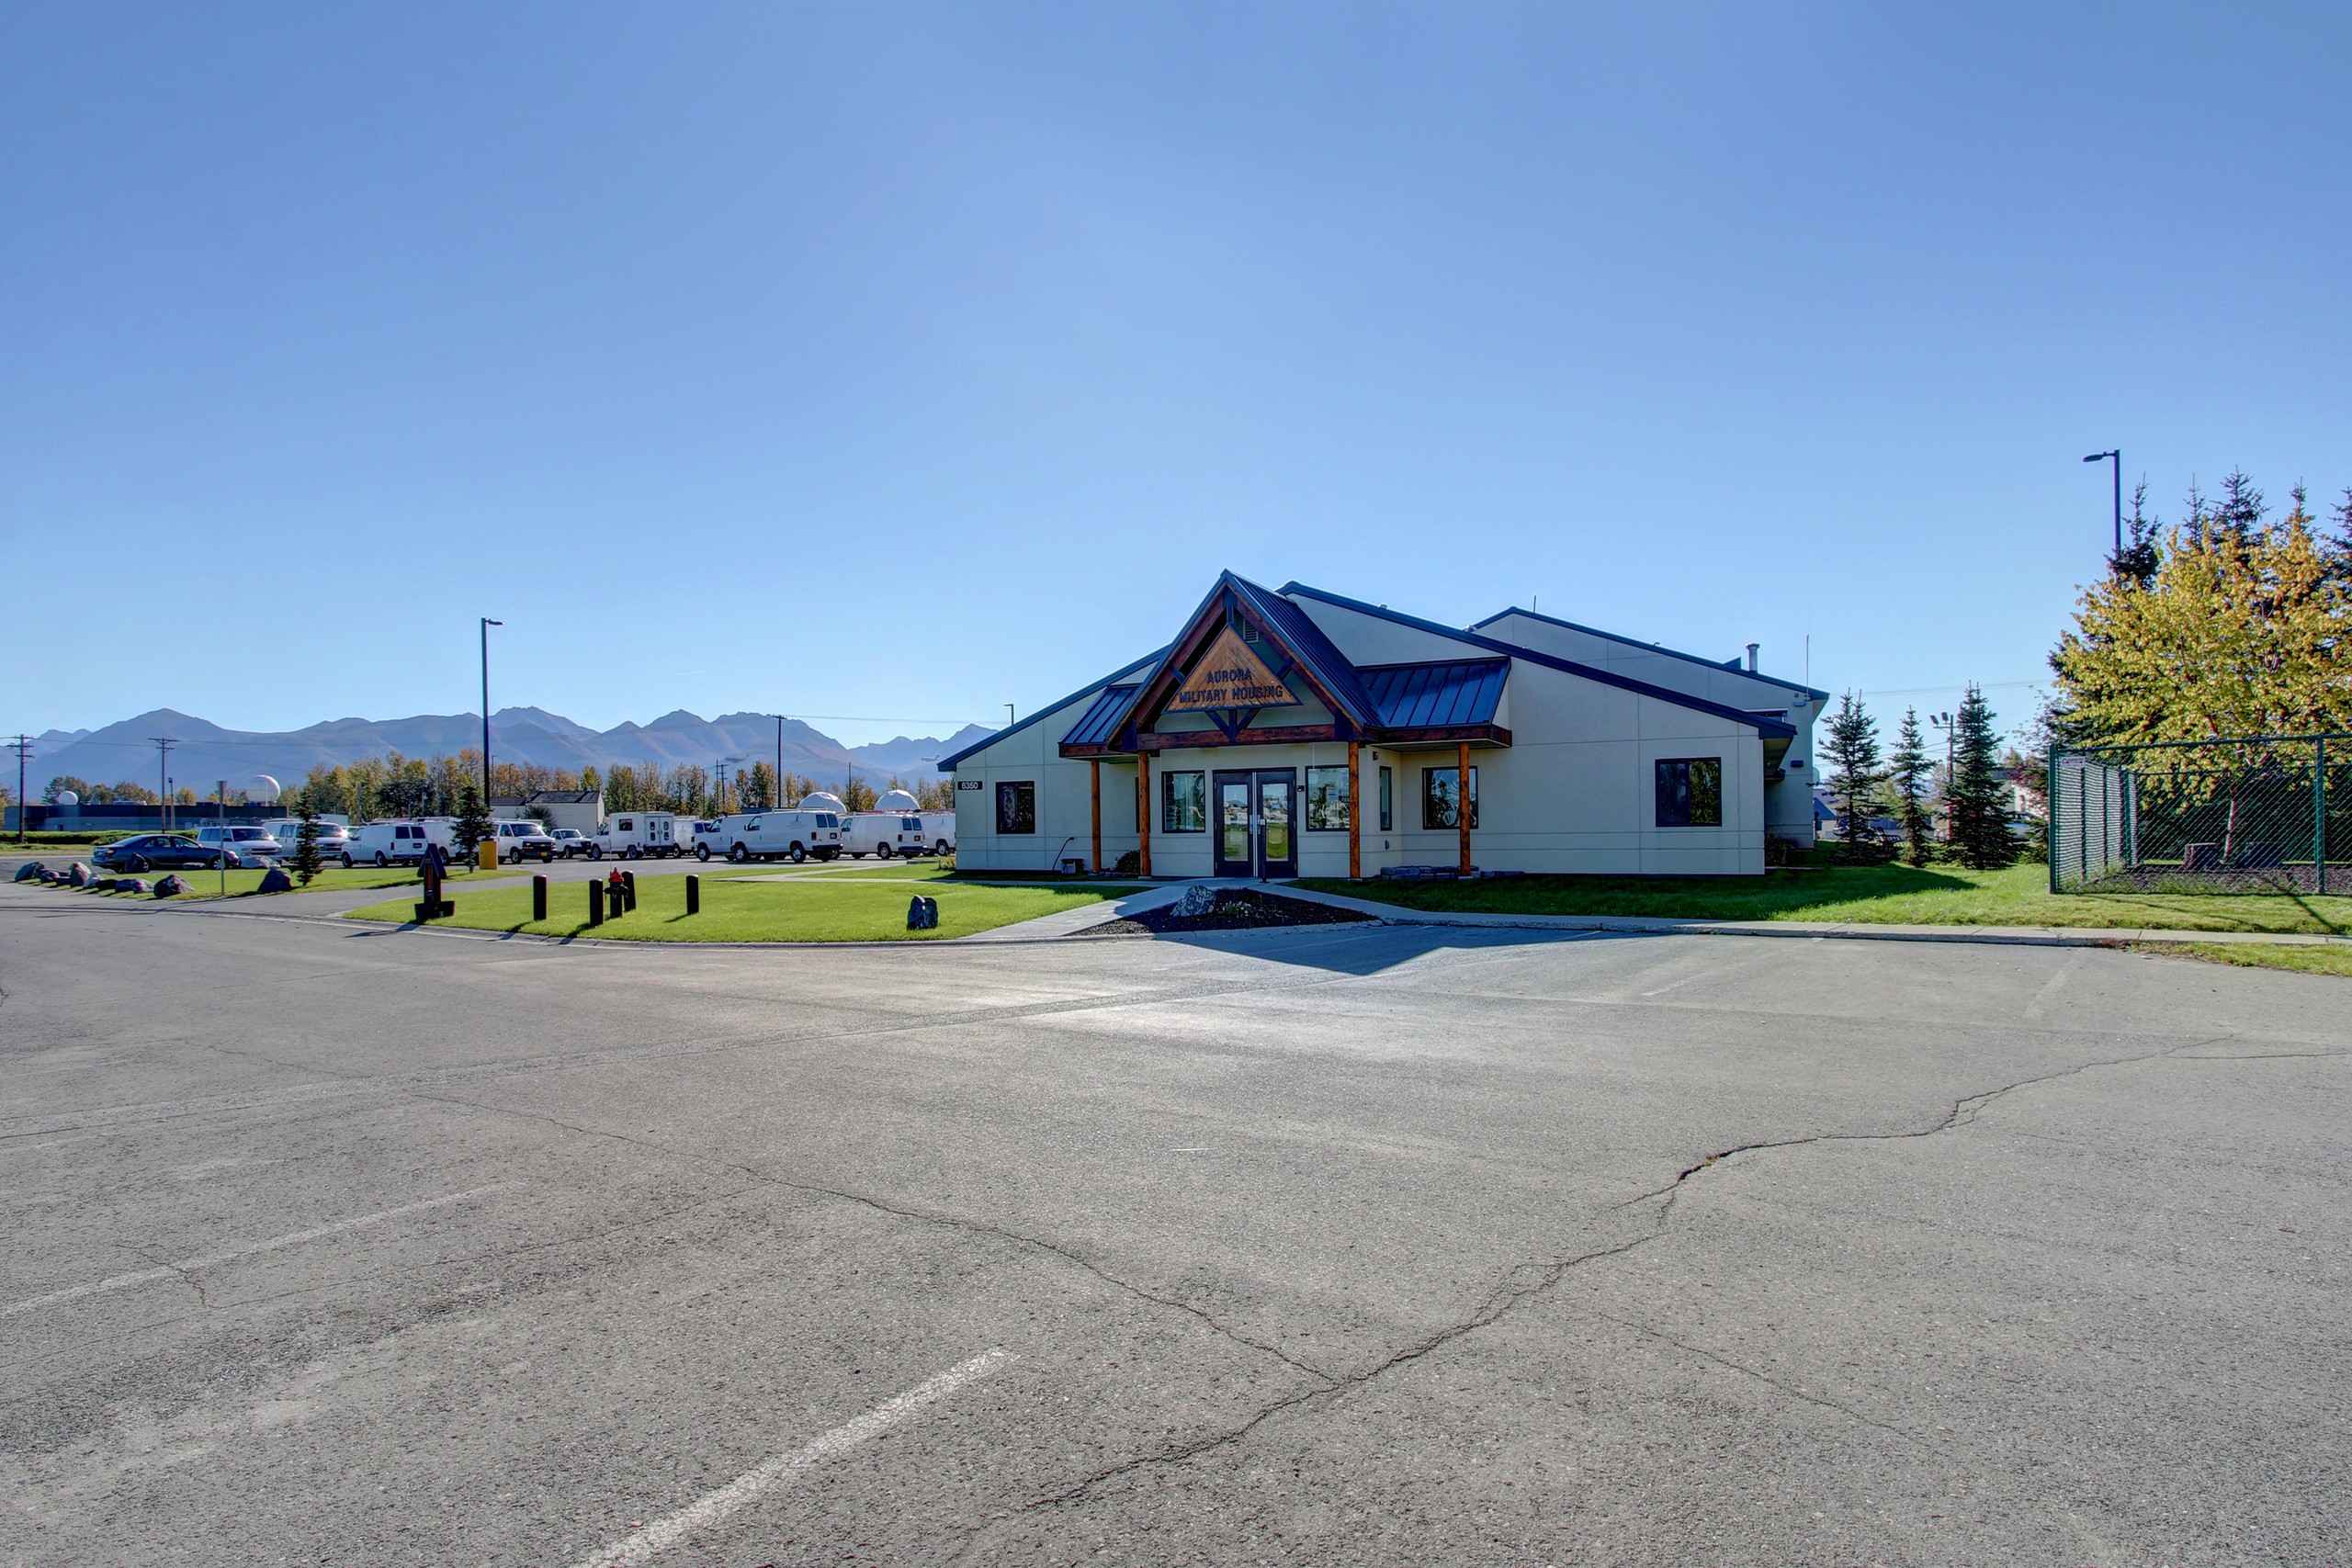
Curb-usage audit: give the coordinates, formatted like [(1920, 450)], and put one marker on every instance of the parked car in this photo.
[(710, 836), (519, 842), (158, 851), (244, 839), (884, 833), (570, 842), (770, 835), (386, 843), (636, 834)]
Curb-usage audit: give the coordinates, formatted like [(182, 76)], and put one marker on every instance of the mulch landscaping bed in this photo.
[(1238, 909)]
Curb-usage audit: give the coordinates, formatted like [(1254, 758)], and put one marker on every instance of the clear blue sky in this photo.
[(902, 361)]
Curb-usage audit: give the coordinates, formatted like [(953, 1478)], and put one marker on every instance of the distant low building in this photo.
[(581, 809)]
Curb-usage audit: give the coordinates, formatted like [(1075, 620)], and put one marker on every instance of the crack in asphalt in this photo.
[(925, 1216), (1790, 1390), (1528, 1282)]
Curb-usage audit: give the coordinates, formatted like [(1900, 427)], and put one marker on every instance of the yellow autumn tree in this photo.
[(2234, 635)]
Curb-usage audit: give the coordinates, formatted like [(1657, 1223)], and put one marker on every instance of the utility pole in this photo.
[(486, 623), (164, 744), (779, 761), (1944, 722), (23, 745)]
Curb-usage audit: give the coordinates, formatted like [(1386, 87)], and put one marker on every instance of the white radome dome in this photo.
[(67, 797), (823, 800), (260, 786), (896, 800)]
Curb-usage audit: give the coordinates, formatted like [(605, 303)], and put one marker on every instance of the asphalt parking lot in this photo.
[(1335, 1246)]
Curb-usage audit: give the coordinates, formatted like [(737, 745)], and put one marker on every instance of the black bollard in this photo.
[(694, 895), (539, 898), (595, 903), (629, 882)]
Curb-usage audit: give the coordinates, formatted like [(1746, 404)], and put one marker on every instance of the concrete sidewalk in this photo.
[(2020, 936), (1069, 922)]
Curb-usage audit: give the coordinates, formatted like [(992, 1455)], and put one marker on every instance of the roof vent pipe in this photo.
[(1751, 658)]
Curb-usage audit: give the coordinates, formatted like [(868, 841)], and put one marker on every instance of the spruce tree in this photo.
[(1907, 769), (1978, 805), (473, 824), (1854, 775), (306, 848)]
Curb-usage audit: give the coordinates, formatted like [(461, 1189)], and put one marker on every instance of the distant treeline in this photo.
[(395, 785)]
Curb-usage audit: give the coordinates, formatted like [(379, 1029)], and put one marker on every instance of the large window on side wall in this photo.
[(1183, 803), (1691, 792), (1387, 801), (1442, 798), (1016, 808), (1327, 800)]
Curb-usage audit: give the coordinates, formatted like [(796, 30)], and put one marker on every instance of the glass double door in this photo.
[(1257, 824)]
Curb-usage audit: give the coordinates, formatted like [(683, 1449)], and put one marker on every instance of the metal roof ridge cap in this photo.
[(1569, 666), (1732, 668)]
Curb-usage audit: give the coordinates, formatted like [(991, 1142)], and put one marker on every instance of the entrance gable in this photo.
[(1235, 662)]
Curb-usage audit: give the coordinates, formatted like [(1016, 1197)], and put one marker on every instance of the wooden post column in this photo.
[(1461, 801), (1356, 813), (1143, 810), (1094, 772)]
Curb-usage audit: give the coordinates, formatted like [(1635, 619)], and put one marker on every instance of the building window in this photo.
[(1691, 792), (1183, 803), (1016, 808), (1327, 800), (1387, 801), (1440, 802)]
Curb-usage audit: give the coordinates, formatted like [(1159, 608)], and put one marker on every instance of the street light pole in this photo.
[(486, 623), (2115, 457)]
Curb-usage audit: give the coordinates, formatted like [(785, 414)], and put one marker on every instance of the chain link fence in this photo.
[(2263, 814)]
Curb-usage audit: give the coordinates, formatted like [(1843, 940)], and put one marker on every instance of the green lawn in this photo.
[(732, 910), (1877, 895), (2328, 959), (333, 879)]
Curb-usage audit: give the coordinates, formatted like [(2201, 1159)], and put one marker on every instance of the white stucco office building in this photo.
[(1294, 732)]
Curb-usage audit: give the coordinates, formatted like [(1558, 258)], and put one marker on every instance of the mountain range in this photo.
[(205, 752)]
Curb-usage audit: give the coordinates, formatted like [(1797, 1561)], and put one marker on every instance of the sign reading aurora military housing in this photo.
[(1231, 676)]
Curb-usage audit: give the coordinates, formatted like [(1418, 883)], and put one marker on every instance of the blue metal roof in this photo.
[(1732, 665), (1297, 629), (1424, 696), (948, 764), (1770, 726), (1100, 725)]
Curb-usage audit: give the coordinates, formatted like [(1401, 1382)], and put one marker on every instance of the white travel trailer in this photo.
[(884, 833), (767, 835), (636, 835)]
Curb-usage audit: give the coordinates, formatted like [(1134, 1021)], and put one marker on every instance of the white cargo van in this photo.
[(884, 833), (939, 827), (386, 843), (633, 835), (766, 835)]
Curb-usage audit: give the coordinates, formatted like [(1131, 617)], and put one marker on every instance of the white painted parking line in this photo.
[(662, 1534), (2049, 992), (212, 1259)]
